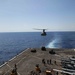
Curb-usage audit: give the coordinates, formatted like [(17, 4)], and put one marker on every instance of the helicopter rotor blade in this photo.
[(39, 29)]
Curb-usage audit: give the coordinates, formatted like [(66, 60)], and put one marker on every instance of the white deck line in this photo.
[(9, 70), (25, 57), (14, 57), (3, 64), (20, 60), (18, 54)]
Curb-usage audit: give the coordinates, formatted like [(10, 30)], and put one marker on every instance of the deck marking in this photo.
[(10, 68), (18, 54)]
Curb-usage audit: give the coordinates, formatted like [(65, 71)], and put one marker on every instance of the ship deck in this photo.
[(27, 60)]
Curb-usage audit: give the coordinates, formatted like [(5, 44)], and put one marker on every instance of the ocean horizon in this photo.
[(12, 43)]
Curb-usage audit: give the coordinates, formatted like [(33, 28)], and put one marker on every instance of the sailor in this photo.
[(15, 69), (56, 73), (43, 61), (55, 62), (47, 61), (13, 72), (50, 61), (38, 69)]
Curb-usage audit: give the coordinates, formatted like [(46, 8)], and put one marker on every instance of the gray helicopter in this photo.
[(43, 33)]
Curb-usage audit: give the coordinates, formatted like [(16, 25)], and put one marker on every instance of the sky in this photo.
[(25, 15)]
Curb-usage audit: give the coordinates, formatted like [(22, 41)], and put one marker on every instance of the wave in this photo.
[(55, 43)]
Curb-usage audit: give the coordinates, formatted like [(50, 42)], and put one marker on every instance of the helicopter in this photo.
[(43, 33)]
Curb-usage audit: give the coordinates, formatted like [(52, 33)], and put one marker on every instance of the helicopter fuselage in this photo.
[(43, 34)]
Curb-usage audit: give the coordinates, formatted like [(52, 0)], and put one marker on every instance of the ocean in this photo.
[(12, 44)]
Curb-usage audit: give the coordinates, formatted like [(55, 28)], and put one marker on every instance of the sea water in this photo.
[(12, 44)]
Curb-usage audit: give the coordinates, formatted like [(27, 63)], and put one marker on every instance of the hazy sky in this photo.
[(24, 15)]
